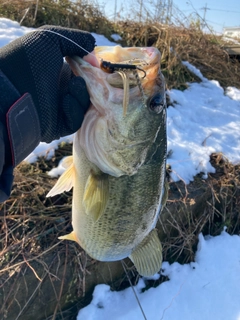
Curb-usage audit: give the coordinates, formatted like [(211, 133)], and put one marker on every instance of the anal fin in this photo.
[(147, 256), (71, 236)]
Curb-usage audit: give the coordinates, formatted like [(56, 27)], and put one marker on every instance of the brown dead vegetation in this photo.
[(176, 43), (30, 222)]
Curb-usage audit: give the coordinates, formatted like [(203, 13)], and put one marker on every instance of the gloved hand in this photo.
[(34, 64), (40, 99)]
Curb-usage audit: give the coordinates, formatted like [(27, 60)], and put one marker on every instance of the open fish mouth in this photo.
[(127, 93), (122, 68), (117, 54)]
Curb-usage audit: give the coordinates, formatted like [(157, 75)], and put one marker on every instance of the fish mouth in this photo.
[(143, 58), (114, 54), (110, 134), (123, 58), (122, 68), (126, 67)]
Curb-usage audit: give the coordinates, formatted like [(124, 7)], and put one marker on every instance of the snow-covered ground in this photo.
[(202, 119), (207, 289)]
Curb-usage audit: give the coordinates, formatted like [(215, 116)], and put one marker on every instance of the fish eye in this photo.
[(157, 103)]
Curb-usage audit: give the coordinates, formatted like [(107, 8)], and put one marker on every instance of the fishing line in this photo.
[(61, 35), (114, 65), (144, 316)]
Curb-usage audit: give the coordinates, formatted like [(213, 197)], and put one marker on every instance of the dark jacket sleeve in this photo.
[(19, 132)]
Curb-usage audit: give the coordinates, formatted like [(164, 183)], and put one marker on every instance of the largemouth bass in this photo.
[(117, 170)]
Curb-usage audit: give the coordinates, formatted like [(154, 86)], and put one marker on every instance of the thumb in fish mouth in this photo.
[(92, 59)]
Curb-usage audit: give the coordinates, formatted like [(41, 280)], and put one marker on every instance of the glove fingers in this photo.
[(75, 104), (73, 115), (72, 41), (78, 89)]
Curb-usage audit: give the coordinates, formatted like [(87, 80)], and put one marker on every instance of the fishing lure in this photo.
[(121, 69), (109, 67), (112, 67)]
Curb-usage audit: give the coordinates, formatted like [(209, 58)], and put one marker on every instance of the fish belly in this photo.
[(131, 212)]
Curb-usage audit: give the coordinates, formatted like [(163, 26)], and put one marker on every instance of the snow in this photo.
[(202, 119), (116, 37), (205, 289), (10, 30)]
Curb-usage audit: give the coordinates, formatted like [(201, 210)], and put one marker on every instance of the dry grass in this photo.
[(176, 43), (30, 223), (28, 211), (33, 261), (67, 13), (204, 51), (35, 267), (205, 206)]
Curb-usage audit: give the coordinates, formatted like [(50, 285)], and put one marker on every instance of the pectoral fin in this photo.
[(96, 195), (66, 181), (147, 256), (67, 162)]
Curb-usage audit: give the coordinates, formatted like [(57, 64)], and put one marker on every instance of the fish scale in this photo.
[(118, 165)]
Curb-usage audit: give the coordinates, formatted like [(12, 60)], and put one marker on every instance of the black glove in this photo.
[(40, 99), (34, 64), (6, 171)]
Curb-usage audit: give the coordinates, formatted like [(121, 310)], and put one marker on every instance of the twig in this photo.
[(177, 294), (35, 273), (30, 298), (31, 259), (62, 283)]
